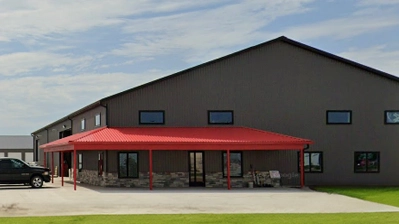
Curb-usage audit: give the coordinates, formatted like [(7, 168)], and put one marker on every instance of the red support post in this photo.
[(52, 167), (44, 159), (228, 170), (74, 169), (62, 168), (302, 168), (150, 158)]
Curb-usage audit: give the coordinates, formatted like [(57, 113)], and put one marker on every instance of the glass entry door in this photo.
[(196, 169)]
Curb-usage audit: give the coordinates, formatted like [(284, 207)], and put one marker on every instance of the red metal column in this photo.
[(52, 167), (150, 158), (62, 168), (74, 169), (302, 168), (228, 170), (44, 159)]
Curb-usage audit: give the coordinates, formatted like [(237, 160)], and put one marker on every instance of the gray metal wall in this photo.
[(89, 116), (286, 89)]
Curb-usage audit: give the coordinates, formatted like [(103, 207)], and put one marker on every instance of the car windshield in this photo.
[(18, 160)]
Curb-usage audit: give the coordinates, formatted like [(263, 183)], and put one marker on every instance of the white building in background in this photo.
[(17, 146)]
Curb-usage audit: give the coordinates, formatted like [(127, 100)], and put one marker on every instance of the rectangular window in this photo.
[(313, 162), (392, 117), (128, 165), (151, 117), (80, 161), (235, 164), (367, 162), (97, 120), (339, 117), (83, 124), (220, 117)]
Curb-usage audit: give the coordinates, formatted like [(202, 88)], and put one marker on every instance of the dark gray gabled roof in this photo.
[(282, 39), (16, 142)]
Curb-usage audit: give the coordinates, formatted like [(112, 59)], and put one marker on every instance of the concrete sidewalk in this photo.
[(54, 200)]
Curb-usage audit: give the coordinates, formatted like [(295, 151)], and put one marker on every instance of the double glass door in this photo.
[(196, 169)]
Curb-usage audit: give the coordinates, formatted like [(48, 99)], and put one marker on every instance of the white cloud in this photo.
[(203, 31), (26, 62), (377, 2), (341, 28), (380, 57), (44, 18), (33, 102)]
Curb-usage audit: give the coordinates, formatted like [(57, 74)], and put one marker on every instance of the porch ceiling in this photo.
[(176, 138)]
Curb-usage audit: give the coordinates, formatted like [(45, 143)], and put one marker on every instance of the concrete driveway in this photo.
[(54, 200)]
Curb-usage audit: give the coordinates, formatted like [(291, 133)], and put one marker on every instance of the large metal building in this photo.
[(349, 111)]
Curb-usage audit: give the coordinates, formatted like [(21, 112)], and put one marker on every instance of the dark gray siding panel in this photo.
[(213, 161), (90, 160), (286, 162), (89, 116), (170, 161), (112, 161)]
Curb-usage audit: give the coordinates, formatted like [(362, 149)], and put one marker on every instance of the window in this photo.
[(220, 117), (339, 117), (152, 117), (367, 162), (235, 164), (313, 162), (128, 165), (83, 124), (97, 120), (80, 162), (392, 117)]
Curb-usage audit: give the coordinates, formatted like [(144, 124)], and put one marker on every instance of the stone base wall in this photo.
[(112, 180), (165, 179), (90, 177), (217, 180), (173, 180)]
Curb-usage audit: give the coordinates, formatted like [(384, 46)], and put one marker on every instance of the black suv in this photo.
[(16, 171)]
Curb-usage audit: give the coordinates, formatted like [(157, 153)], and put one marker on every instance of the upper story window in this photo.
[(220, 117), (339, 117), (392, 117), (151, 117), (83, 124), (367, 162), (97, 120)]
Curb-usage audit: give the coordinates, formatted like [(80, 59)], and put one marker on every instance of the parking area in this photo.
[(54, 200)]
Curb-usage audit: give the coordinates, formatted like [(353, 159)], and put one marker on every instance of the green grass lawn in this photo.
[(384, 195), (347, 218)]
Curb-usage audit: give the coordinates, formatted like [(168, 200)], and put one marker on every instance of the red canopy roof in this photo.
[(176, 138)]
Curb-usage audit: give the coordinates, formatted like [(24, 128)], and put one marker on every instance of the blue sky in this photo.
[(59, 56)]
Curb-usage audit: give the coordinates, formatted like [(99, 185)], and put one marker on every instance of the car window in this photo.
[(17, 164), (5, 164)]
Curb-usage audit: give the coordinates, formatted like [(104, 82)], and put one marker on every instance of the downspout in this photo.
[(106, 113), (106, 124), (302, 152), (71, 125), (34, 147)]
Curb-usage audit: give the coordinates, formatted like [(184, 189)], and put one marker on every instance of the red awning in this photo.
[(176, 138)]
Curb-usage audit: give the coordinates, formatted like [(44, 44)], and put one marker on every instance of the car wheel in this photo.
[(36, 182)]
